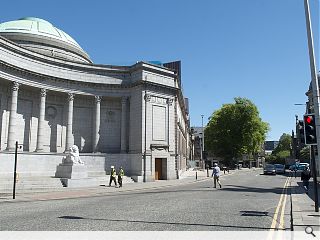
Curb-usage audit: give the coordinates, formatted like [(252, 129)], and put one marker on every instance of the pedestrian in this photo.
[(305, 176), (113, 176), (216, 175), (120, 176)]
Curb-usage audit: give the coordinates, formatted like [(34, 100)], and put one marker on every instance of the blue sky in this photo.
[(248, 48)]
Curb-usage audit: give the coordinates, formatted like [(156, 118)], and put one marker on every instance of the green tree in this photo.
[(284, 144), (235, 129), (305, 154), (282, 151)]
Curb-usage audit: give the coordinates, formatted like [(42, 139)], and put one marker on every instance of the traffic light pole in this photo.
[(316, 96), (15, 171), (315, 182)]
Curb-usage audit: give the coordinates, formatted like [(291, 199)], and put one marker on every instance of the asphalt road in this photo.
[(247, 201)]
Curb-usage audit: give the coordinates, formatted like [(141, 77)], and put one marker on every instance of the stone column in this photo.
[(69, 137), (12, 118), (124, 124), (96, 126), (40, 134), (169, 103)]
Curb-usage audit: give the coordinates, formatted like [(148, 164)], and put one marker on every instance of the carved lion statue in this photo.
[(72, 156)]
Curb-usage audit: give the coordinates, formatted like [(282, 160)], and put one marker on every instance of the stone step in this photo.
[(42, 183), (30, 183)]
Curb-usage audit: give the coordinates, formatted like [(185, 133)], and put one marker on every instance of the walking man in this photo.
[(113, 176), (216, 175), (305, 176), (120, 176)]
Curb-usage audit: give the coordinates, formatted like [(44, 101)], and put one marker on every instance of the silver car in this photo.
[(269, 169), (280, 168)]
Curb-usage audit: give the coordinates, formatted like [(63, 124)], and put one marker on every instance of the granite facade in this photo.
[(140, 115)]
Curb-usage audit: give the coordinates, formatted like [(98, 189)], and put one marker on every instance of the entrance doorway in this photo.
[(158, 169)]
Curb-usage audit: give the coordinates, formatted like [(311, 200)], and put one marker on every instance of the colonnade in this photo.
[(69, 138)]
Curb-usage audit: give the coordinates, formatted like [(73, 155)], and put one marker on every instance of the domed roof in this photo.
[(41, 28)]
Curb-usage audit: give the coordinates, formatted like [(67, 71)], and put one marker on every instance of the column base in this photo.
[(39, 150), (10, 149)]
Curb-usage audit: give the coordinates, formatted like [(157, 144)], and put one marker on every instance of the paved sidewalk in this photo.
[(187, 177), (303, 210)]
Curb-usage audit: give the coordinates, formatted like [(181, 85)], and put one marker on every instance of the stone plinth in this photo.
[(71, 171)]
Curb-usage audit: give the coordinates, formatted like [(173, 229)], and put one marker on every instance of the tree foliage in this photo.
[(305, 154), (284, 144), (282, 151), (235, 129)]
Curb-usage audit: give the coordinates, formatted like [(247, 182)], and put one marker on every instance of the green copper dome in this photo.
[(41, 30)]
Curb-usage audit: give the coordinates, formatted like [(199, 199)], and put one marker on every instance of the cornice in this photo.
[(142, 66), (75, 68), (56, 84), (17, 49)]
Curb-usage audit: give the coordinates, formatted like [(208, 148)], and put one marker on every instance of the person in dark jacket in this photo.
[(305, 176), (120, 176), (113, 175)]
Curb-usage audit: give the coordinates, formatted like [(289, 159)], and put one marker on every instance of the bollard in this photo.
[(196, 175)]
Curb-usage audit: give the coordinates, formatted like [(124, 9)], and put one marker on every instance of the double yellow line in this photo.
[(282, 206)]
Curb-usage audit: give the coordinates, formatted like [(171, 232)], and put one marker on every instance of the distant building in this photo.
[(197, 146), (206, 159), (269, 146)]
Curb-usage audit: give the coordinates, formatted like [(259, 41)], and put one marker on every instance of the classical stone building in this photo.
[(52, 96)]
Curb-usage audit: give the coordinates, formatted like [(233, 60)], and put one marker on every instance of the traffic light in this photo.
[(310, 129), (300, 131), (204, 154)]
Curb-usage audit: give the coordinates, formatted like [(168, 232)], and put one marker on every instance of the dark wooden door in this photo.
[(158, 170)]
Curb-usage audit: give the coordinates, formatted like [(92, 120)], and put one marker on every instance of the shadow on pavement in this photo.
[(310, 193), (236, 188), (166, 223)]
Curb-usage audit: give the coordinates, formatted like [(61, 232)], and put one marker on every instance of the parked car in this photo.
[(280, 168), (269, 169)]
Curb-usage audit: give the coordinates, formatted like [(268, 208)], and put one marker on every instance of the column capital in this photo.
[(147, 97), (15, 86), (97, 99), (70, 96), (124, 99), (170, 101), (43, 92)]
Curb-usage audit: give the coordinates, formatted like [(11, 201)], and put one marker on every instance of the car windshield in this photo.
[(269, 166), (278, 165)]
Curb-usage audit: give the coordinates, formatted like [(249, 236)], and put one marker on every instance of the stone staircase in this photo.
[(45, 183)]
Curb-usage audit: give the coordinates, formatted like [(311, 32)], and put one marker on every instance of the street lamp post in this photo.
[(202, 147)]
